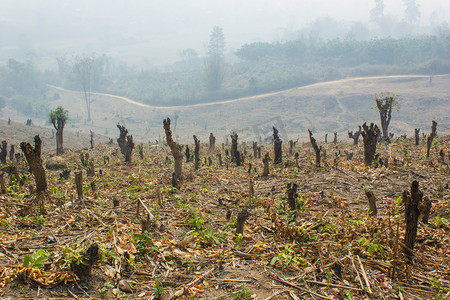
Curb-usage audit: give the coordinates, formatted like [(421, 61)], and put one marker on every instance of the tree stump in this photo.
[(417, 136), (2, 183), (235, 155), (431, 137), (125, 142), (326, 138), (255, 149), (141, 150), (372, 202), (187, 154), (89, 258), (212, 142), (292, 196), (315, 147), (370, 137), (414, 207), (3, 152), (277, 147), (196, 153), (241, 218), (291, 146), (33, 157), (92, 139), (219, 156), (266, 160), (175, 148), (335, 138), (354, 136), (11, 153), (79, 184)]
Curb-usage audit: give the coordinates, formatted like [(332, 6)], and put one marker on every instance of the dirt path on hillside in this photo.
[(249, 97)]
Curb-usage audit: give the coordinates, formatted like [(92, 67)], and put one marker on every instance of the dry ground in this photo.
[(330, 248)]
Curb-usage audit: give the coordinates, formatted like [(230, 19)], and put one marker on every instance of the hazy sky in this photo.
[(163, 28)]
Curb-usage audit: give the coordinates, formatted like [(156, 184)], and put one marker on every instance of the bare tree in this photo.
[(58, 118), (386, 101)]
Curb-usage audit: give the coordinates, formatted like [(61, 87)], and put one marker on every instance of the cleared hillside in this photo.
[(335, 106)]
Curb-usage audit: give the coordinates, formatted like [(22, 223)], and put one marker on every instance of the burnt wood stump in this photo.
[(354, 136), (266, 161), (33, 157), (315, 147), (292, 196), (241, 218), (277, 147), (235, 155), (415, 206), (196, 153), (176, 151), (431, 137), (125, 142), (372, 202), (370, 137), (3, 152), (417, 136), (212, 142)]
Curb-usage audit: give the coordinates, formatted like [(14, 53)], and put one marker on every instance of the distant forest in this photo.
[(260, 68)]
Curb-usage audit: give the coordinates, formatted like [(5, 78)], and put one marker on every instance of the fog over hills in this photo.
[(155, 32)]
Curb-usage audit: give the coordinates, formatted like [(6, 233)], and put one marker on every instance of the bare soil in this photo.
[(328, 248)]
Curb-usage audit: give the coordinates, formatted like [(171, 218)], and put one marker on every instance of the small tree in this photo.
[(386, 101), (58, 118)]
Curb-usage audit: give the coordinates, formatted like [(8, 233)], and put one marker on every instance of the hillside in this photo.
[(324, 107)]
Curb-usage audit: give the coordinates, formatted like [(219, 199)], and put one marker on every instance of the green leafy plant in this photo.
[(36, 260), (441, 291), (196, 219), (288, 257), (144, 244), (242, 293), (371, 246)]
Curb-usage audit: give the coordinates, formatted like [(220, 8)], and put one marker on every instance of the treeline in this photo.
[(263, 67)]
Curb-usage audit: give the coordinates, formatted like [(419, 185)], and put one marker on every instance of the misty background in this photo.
[(175, 53)]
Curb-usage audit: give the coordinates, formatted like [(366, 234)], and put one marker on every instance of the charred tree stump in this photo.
[(91, 169), (277, 147), (417, 136), (83, 268), (251, 189), (125, 142), (2, 183), (64, 174), (266, 161), (370, 137), (212, 142), (141, 150), (175, 148), (431, 137), (33, 157), (296, 159), (210, 161), (315, 147), (291, 146), (259, 152), (355, 136), (92, 139), (241, 218), (292, 196), (187, 154), (412, 201), (372, 202), (3, 152), (11, 153), (255, 149), (79, 184), (196, 153), (335, 138), (219, 156), (235, 155)]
